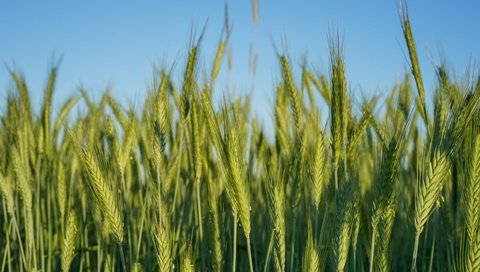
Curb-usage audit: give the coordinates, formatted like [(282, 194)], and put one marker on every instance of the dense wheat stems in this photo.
[(384, 200), (193, 179)]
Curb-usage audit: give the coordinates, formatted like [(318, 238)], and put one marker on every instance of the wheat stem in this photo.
[(249, 251), (415, 251)]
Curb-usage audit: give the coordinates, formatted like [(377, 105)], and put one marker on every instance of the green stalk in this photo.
[(324, 220), (234, 257), (199, 208), (122, 258), (317, 214), (432, 251), (249, 250), (372, 248), (269, 251), (415, 251), (7, 246), (178, 169), (22, 251), (292, 256), (354, 260), (140, 231)]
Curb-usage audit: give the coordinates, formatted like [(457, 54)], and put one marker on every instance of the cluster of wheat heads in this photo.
[(184, 184)]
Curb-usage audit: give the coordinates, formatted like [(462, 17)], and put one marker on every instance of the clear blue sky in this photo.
[(117, 43)]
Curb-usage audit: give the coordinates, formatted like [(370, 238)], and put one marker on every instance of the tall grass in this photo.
[(186, 183)]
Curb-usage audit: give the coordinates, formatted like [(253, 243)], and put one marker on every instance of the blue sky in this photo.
[(117, 43)]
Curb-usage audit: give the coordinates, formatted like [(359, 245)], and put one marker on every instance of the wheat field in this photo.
[(391, 183)]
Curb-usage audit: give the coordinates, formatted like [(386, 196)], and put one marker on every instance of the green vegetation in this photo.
[(183, 185)]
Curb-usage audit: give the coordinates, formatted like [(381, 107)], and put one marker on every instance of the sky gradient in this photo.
[(116, 44)]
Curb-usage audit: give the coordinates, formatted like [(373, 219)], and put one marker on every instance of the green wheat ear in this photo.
[(472, 192), (412, 52), (472, 260), (428, 193), (7, 190), (295, 100), (62, 189), (105, 196), (337, 183), (69, 241), (471, 203), (218, 61), (188, 263), (343, 225), (340, 106), (318, 171), (277, 212), (429, 188), (162, 238), (311, 257)]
